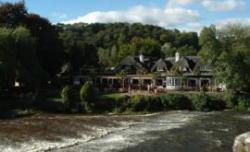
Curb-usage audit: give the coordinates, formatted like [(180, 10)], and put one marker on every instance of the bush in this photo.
[(138, 103), (177, 102), (164, 101), (231, 99), (203, 102), (67, 94), (145, 103), (87, 95), (121, 104), (155, 104), (243, 102)]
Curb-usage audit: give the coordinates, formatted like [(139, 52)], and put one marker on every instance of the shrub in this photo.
[(203, 102), (138, 103), (67, 94), (243, 102), (178, 102), (165, 102), (145, 103), (115, 104), (231, 99), (87, 95), (155, 104), (121, 104)]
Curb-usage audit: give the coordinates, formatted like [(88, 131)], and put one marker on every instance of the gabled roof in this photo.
[(203, 66), (185, 65), (130, 64), (161, 63)]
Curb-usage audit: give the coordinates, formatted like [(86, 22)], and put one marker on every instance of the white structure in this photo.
[(173, 83), (177, 56), (141, 58)]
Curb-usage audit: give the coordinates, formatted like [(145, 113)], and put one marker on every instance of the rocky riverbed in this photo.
[(175, 131)]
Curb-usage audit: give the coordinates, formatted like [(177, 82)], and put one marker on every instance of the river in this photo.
[(174, 131)]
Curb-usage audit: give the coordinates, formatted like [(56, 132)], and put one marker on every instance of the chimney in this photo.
[(141, 58), (177, 56)]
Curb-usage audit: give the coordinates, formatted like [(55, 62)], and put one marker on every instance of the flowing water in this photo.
[(175, 131)]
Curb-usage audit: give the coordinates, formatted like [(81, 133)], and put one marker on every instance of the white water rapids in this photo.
[(124, 133), (175, 131)]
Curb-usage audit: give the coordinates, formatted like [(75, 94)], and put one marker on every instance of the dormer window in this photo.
[(160, 69)]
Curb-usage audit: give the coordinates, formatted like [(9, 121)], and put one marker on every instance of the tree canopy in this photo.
[(114, 41), (229, 51)]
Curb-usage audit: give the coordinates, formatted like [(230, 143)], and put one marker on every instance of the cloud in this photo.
[(233, 21), (168, 17), (176, 3), (194, 27), (211, 5), (225, 5)]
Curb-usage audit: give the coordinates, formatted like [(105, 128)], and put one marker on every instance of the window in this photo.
[(173, 81), (160, 69)]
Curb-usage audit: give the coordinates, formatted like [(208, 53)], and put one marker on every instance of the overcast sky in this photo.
[(182, 14)]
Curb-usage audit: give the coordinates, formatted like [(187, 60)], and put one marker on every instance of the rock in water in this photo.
[(242, 143)]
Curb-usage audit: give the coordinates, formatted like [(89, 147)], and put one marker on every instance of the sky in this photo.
[(186, 15)]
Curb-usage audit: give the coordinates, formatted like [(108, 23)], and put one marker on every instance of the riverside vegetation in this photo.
[(86, 101)]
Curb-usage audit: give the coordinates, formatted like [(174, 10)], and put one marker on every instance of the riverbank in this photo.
[(124, 103)]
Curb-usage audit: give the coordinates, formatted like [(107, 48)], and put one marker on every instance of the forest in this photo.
[(34, 50)]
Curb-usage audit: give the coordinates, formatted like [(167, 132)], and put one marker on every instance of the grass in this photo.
[(111, 95), (55, 99), (145, 93)]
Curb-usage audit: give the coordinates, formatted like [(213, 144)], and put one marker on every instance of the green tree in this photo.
[(27, 61), (151, 48), (230, 53), (124, 51), (233, 65), (8, 56), (168, 50), (87, 95), (18, 53), (211, 48), (187, 51), (12, 15), (49, 47)]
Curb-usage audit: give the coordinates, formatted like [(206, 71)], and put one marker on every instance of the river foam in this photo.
[(137, 133)]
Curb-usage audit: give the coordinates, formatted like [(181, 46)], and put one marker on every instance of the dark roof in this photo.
[(161, 63), (190, 63), (132, 63), (187, 64)]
